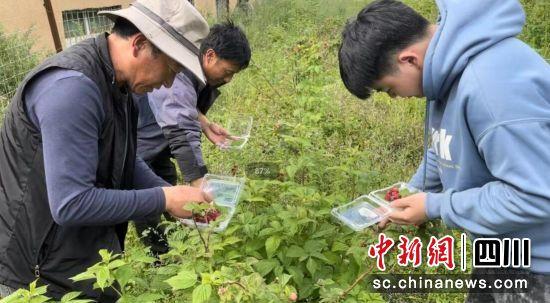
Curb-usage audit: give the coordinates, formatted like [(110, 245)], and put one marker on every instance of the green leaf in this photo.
[(83, 276), (144, 259), (271, 245), (284, 279), (320, 256), (314, 245), (39, 299), (297, 274), (105, 255), (71, 298), (123, 275), (231, 240), (103, 276), (184, 279), (339, 246), (202, 293), (265, 266), (149, 297), (311, 266), (295, 252), (116, 264)]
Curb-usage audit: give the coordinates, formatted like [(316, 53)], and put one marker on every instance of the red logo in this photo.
[(380, 249), (409, 251), (440, 251)]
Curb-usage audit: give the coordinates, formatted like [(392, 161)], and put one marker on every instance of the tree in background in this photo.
[(222, 8)]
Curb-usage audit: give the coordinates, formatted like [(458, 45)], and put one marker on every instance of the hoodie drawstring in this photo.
[(426, 132)]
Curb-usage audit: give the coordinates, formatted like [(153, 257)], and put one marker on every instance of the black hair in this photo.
[(229, 42), (126, 29), (381, 29)]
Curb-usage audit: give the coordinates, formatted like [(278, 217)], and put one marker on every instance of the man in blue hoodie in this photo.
[(488, 116)]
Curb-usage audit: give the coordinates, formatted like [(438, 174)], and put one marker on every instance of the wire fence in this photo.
[(17, 57), (23, 47)]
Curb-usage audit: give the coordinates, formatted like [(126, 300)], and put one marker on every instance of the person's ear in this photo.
[(409, 58), (138, 43), (211, 56)]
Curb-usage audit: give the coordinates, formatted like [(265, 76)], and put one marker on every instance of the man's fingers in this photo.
[(400, 203), (382, 224), (207, 196), (398, 216)]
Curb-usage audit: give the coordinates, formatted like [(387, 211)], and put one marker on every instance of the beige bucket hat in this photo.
[(174, 26)]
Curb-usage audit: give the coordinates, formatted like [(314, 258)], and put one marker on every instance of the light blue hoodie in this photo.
[(488, 166)]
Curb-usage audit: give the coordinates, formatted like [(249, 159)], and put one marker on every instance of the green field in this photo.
[(323, 148)]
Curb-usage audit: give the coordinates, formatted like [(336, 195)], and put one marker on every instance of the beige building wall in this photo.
[(23, 15)]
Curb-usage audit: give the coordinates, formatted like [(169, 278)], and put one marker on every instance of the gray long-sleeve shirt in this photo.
[(66, 107), (169, 117)]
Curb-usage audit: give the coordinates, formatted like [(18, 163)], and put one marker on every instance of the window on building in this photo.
[(82, 24)]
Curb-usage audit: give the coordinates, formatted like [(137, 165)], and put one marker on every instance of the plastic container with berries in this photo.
[(397, 191), (362, 212), (226, 191)]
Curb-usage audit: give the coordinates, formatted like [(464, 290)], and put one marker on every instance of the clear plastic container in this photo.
[(404, 190), (226, 191), (362, 212), (239, 128)]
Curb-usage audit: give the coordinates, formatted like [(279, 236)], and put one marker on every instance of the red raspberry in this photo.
[(209, 216), (392, 194)]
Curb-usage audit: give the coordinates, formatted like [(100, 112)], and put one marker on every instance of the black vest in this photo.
[(32, 245)]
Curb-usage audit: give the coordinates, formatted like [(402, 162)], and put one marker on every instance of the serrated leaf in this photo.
[(39, 299), (284, 279), (71, 298), (40, 290), (202, 293), (144, 259), (231, 240), (271, 245), (83, 276), (265, 266), (320, 256), (116, 264), (123, 275), (184, 279), (339, 246), (105, 255), (295, 252), (314, 245), (297, 274), (149, 297), (102, 277), (311, 266)]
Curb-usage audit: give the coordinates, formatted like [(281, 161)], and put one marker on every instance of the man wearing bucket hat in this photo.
[(70, 177), (171, 120)]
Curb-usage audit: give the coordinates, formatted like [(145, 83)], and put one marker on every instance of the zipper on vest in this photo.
[(37, 271), (125, 139)]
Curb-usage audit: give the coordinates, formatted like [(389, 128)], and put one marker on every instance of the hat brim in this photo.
[(160, 38)]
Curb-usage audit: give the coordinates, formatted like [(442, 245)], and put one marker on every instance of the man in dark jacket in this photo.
[(171, 120), (70, 179)]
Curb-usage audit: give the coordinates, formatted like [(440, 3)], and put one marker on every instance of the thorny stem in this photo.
[(198, 230), (236, 283), (359, 279), (266, 80), (116, 290)]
